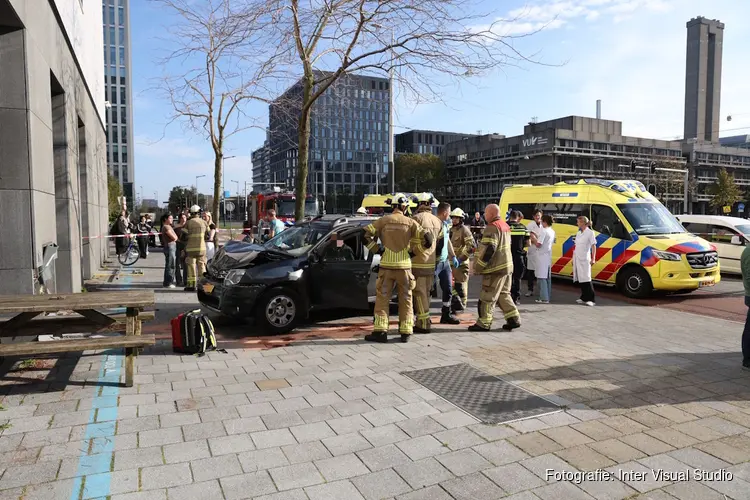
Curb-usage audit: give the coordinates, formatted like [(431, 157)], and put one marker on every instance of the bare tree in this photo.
[(418, 43), (217, 77)]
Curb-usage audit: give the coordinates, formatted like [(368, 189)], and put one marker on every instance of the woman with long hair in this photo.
[(210, 235)]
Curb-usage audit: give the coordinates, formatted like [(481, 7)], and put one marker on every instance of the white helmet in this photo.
[(362, 211), (457, 212), (195, 209)]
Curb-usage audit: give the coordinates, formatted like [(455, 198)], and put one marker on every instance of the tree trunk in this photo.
[(303, 150), (217, 185)]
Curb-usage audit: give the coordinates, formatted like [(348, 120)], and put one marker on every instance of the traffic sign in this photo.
[(740, 207), (227, 194), (727, 209), (229, 206)]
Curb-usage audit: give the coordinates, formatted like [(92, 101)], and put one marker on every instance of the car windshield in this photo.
[(297, 239), (650, 218), (286, 208), (744, 229)]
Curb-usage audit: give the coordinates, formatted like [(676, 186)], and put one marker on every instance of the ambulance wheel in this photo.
[(634, 282), (279, 311)]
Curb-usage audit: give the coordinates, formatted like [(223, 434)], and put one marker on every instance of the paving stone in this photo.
[(381, 484), (386, 434), (273, 384), (271, 438), (513, 478), (165, 476), (318, 414), (384, 416), (28, 424), (305, 452), (341, 467), (215, 467), (298, 494), (179, 419), (160, 437), (242, 425), (664, 462), (345, 443), (340, 490), (62, 488), (596, 430), (425, 473), (492, 432), (545, 465), (312, 432), (231, 444), (528, 425), (295, 476), (383, 457), (625, 425), (257, 460), (722, 426), (617, 450), (672, 437), (247, 485), (208, 490), (736, 488), (698, 459), (421, 426), (384, 401), (637, 476), (453, 419), (500, 452), (556, 491), (292, 404), (464, 462), (584, 458), (281, 420), (566, 436), (724, 451), (422, 447), (23, 475), (693, 491), (325, 399), (255, 409), (36, 439), (558, 419), (672, 413), (429, 493), (355, 393), (647, 444), (534, 443), (139, 457), (607, 490), (416, 410), (186, 452), (699, 432), (137, 399), (473, 487), (296, 392)]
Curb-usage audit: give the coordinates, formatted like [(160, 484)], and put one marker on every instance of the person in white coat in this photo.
[(543, 264), (584, 256), (534, 227)]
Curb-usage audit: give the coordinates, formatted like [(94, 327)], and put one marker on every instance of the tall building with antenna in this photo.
[(705, 39)]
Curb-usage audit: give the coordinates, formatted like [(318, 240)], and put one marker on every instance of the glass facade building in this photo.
[(348, 140), (118, 94)]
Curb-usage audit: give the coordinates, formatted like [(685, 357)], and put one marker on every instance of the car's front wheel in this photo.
[(279, 310)]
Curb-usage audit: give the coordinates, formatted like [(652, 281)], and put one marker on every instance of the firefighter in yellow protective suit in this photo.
[(494, 262), (423, 266), (195, 230), (463, 244), (400, 238)]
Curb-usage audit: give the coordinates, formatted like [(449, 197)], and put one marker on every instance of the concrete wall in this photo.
[(47, 113)]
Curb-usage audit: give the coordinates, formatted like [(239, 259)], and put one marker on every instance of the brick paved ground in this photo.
[(643, 389)]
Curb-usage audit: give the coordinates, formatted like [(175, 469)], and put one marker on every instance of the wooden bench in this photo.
[(88, 319)]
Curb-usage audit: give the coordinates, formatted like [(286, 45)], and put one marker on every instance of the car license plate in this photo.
[(707, 283), (208, 288)]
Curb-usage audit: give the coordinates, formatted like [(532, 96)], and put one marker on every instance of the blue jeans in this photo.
[(170, 258), (746, 336), (545, 287), (443, 276)]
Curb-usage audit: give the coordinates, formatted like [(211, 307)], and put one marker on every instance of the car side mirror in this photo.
[(736, 240)]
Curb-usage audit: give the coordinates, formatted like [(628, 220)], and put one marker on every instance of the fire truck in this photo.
[(281, 201)]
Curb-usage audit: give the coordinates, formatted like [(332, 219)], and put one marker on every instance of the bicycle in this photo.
[(131, 254)]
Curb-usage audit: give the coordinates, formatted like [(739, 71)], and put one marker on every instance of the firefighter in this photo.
[(519, 240), (194, 230), (463, 244), (423, 266), (399, 237), (494, 263)]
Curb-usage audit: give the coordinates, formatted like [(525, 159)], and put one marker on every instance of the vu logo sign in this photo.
[(534, 141)]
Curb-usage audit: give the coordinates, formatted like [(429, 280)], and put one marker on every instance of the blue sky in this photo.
[(628, 53)]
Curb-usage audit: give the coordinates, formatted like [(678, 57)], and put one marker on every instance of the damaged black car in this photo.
[(314, 265)]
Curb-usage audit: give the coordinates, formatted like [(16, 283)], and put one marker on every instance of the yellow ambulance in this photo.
[(376, 204), (641, 246)]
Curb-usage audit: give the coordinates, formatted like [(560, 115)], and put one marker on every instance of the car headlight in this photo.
[(667, 255), (233, 277)]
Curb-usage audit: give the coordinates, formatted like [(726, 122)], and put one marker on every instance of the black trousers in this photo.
[(529, 274), (142, 245), (746, 336), (587, 292), (518, 270), (181, 265)]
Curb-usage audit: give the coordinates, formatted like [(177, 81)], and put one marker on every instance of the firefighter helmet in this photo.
[(423, 199), (195, 209), (398, 200), (457, 212)]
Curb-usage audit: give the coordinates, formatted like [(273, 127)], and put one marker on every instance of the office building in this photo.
[(426, 142), (53, 187), (348, 140), (736, 141), (705, 38), (261, 159), (118, 93)]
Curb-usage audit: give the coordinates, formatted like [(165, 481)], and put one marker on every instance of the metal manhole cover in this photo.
[(486, 397)]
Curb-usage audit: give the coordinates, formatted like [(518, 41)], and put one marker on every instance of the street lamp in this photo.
[(224, 184), (238, 194), (196, 187)]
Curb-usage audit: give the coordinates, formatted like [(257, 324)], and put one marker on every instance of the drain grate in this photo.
[(484, 396)]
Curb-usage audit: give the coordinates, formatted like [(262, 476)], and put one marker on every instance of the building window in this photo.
[(123, 115), (124, 154), (113, 114), (122, 36), (122, 56), (112, 54), (124, 134), (122, 96), (121, 16)]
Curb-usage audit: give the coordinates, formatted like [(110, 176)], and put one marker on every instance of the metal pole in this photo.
[(685, 203), (377, 174), (245, 200), (324, 183)]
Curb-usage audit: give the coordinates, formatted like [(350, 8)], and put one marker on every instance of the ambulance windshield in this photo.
[(650, 218)]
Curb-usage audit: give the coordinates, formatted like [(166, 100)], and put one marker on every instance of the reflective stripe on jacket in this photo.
[(463, 242), (493, 256), (424, 264), (398, 234), (195, 228)]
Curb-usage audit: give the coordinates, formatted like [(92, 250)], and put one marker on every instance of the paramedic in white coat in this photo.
[(543, 264), (584, 256), (534, 227)]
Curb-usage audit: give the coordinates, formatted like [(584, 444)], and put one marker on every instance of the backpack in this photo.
[(193, 333), (113, 230)]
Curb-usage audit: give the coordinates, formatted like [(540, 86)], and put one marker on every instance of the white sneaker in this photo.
[(538, 301), (589, 303), (172, 286), (579, 301)]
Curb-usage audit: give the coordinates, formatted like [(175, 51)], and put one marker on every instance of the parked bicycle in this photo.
[(131, 254)]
